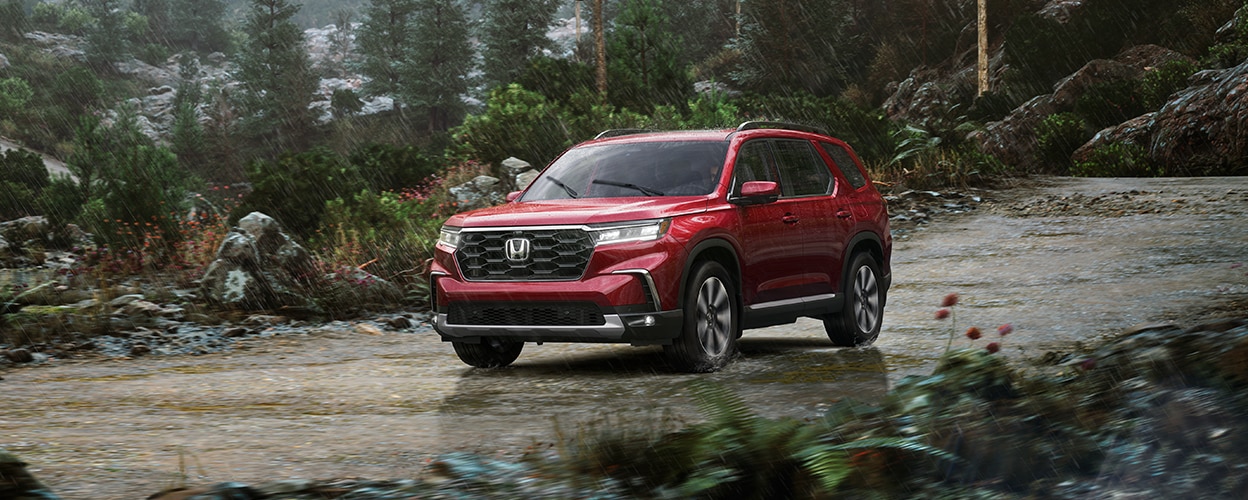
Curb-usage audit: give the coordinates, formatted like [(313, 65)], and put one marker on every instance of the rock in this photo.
[(1061, 10), (398, 322), (63, 46), (1204, 124), (17, 483), (525, 178), (19, 356), (140, 350), (4, 62), (259, 267), (1013, 139), (483, 191), (237, 331), (515, 165), (125, 300)]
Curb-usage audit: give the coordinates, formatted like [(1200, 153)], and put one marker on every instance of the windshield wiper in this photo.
[(644, 190), (571, 192)]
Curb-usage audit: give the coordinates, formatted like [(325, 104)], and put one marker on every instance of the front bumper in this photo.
[(636, 328)]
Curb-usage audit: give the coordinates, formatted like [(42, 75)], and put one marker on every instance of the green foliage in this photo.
[(61, 201), (199, 25), (106, 38), (294, 188), (13, 20), (557, 79), (392, 168), (435, 71), (1042, 50), (276, 72), (153, 53), (61, 18), (1233, 51), (15, 94), (733, 454), (1059, 135), (18, 200), (644, 59), (1110, 103), (137, 186), (1159, 83), (794, 46), (1117, 159), (512, 32), (345, 102), (383, 38), (517, 122), (24, 168)]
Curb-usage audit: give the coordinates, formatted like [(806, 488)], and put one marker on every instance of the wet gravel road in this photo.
[(1062, 260)]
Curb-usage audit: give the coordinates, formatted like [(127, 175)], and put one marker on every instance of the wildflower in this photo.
[(993, 347), (950, 300), (973, 333), (942, 314), (1237, 265), (1088, 364), (1005, 329)]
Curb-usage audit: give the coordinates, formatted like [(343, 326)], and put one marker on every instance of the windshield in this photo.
[(634, 169)]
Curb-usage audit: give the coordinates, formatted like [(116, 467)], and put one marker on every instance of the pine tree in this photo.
[(198, 25), (275, 71), (794, 45), (436, 73), (383, 39), (106, 41), (645, 53), (514, 31)]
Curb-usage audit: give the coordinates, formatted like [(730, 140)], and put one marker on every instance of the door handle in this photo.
[(789, 219), (844, 214)]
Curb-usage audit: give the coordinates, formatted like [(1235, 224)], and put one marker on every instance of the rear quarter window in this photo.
[(845, 163)]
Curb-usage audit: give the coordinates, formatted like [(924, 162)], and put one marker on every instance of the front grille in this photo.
[(521, 314), (553, 254)]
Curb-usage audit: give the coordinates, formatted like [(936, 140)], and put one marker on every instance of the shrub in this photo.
[(25, 168), (516, 122), (294, 188), (1059, 135), (1109, 103), (18, 200), (1159, 83), (386, 167), (15, 94), (1117, 159)]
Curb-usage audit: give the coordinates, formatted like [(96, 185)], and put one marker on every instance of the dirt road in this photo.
[(1064, 261)]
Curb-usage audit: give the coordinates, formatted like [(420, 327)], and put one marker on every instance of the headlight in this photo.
[(449, 236), (634, 231)]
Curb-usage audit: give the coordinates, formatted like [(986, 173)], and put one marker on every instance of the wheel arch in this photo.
[(865, 241), (717, 250)]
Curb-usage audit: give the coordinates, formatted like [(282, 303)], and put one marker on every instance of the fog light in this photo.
[(649, 320)]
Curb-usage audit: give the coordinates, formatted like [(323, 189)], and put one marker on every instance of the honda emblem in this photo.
[(517, 249)]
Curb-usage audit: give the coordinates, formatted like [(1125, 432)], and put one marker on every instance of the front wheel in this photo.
[(858, 322), (490, 353), (709, 337)]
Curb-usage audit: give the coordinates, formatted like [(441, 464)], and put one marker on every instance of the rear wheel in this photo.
[(490, 353), (858, 322), (709, 337)]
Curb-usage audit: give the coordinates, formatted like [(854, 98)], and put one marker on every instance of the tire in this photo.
[(490, 353), (858, 322), (708, 339)]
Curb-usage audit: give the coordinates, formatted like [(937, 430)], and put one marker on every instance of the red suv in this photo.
[(680, 239)]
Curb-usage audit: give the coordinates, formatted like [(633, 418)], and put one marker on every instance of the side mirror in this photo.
[(513, 195), (756, 193)]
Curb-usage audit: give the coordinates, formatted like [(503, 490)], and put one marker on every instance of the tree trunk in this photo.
[(983, 47), (600, 45)]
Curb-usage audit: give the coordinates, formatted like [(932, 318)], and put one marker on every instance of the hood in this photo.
[(576, 212)]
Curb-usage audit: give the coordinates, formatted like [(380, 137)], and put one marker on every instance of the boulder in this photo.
[(260, 267), (1200, 126), (483, 191), (4, 62), (1013, 139)]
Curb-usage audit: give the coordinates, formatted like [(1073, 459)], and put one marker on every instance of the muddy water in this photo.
[(342, 402)]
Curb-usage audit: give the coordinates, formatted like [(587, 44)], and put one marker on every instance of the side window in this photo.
[(753, 164), (845, 164), (802, 170)]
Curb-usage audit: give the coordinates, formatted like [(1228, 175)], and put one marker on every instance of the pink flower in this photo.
[(1005, 329), (973, 333), (942, 314), (993, 347), (950, 300)]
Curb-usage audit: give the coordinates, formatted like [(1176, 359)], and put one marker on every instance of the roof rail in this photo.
[(616, 132), (754, 125)]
